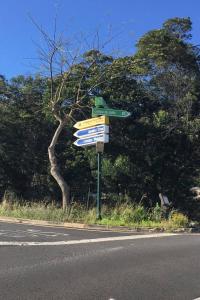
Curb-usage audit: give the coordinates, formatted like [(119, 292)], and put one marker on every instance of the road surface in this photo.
[(38, 262)]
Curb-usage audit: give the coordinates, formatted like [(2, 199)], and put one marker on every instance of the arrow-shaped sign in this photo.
[(92, 140), (92, 122), (92, 131), (110, 112)]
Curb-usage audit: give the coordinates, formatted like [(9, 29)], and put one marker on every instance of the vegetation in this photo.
[(134, 216), (154, 151)]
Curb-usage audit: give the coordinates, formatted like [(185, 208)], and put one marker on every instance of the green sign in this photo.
[(110, 112), (100, 102)]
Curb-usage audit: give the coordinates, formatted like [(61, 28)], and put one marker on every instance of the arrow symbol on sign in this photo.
[(92, 140), (92, 122), (92, 131)]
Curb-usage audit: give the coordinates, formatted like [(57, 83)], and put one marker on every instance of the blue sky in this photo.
[(132, 18)]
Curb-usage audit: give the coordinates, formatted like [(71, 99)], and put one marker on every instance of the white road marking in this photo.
[(115, 248), (87, 241), (197, 298), (30, 233), (55, 261)]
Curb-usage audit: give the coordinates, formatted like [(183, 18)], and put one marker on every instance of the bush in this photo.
[(115, 214), (127, 215), (90, 216), (76, 212), (135, 214), (139, 214), (156, 213), (179, 219), (9, 199)]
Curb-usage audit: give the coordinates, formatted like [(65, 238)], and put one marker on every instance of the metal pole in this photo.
[(99, 186)]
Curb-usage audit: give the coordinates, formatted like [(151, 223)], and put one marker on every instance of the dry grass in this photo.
[(120, 215)]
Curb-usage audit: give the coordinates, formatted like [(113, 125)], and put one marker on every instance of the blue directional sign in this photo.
[(92, 131), (92, 140)]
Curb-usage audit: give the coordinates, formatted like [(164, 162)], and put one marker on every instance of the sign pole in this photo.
[(99, 150), (99, 186), (96, 131)]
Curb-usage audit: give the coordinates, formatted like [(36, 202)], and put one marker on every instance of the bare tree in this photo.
[(59, 59)]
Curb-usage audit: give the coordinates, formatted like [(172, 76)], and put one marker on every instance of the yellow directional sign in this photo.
[(92, 122)]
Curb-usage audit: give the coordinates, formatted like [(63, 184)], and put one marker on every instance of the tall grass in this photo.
[(121, 215)]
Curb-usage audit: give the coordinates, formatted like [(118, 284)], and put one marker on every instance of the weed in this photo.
[(125, 214), (179, 219)]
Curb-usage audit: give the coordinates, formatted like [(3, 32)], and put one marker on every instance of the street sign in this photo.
[(110, 112), (92, 140), (92, 122), (100, 102), (92, 131)]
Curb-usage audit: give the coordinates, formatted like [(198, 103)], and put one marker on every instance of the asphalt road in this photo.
[(39, 262)]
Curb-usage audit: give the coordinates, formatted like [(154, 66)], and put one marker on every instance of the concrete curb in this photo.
[(96, 227), (42, 222)]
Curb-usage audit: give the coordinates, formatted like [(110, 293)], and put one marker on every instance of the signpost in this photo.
[(92, 122), (110, 112), (92, 131), (95, 131), (92, 140), (99, 150)]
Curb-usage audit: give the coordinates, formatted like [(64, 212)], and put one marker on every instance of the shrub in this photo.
[(76, 212), (139, 214), (115, 214), (9, 199), (90, 216), (127, 215), (135, 214), (179, 219), (156, 213)]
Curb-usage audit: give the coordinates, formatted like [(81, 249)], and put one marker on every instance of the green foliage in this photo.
[(179, 219), (134, 214), (156, 213), (155, 150), (121, 215), (159, 118), (179, 27)]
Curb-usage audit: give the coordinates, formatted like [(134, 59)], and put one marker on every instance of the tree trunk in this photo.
[(55, 171)]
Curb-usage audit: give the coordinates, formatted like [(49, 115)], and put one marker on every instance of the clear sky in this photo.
[(130, 17)]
